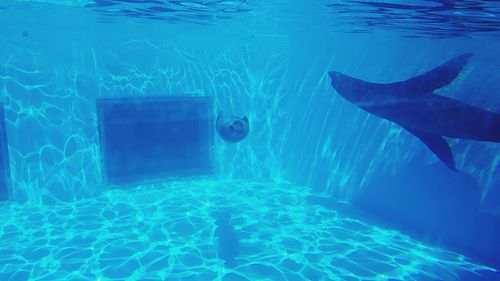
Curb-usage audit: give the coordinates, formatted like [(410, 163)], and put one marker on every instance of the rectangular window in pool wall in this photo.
[(4, 159), (153, 138)]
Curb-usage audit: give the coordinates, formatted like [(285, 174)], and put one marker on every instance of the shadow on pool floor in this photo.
[(168, 232)]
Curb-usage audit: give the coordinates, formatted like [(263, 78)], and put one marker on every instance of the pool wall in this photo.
[(301, 130)]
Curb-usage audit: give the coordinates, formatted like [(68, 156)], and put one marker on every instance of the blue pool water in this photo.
[(319, 189)]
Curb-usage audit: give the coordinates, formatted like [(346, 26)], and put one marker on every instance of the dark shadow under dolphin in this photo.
[(413, 105), (228, 245)]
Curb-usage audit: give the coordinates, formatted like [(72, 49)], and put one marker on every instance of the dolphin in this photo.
[(231, 128), (413, 105)]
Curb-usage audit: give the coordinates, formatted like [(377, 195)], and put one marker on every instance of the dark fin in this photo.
[(219, 116), (437, 78), (245, 119), (414, 87), (436, 144)]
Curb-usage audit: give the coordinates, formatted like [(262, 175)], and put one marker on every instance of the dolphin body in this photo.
[(413, 105), (231, 128)]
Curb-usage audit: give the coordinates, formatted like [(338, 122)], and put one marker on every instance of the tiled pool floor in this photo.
[(167, 232)]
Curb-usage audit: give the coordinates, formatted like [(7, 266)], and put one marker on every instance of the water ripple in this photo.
[(424, 18), (169, 11), (167, 232)]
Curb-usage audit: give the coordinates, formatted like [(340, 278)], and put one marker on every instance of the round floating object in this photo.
[(231, 128)]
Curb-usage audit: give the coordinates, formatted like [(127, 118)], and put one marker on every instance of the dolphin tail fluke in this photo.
[(437, 145), (437, 78)]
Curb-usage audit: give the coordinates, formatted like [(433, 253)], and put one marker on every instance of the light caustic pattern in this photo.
[(166, 231), (51, 120), (50, 129), (300, 129), (53, 132)]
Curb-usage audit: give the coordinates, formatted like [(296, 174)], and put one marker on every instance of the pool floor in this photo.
[(166, 231)]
